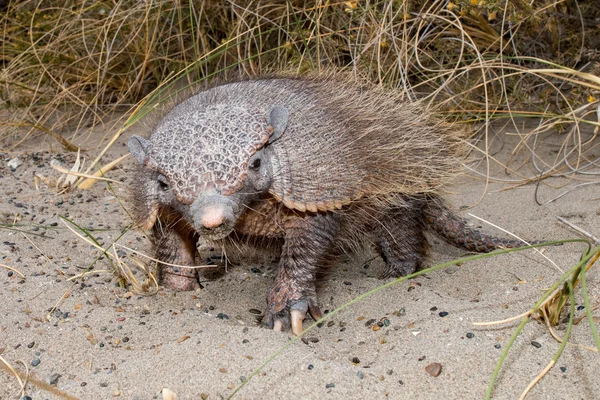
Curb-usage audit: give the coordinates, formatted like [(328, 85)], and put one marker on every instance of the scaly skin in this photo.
[(308, 240), (456, 231)]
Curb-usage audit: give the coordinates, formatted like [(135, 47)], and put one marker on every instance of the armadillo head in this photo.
[(208, 164)]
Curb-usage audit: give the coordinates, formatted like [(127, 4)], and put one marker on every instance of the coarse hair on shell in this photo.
[(346, 139)]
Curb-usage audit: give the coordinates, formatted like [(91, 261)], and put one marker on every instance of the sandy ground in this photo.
[(101, 342)]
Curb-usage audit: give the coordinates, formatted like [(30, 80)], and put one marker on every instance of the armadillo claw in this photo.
[(297, 317), (278, 326), (314, 310), (291, 317)]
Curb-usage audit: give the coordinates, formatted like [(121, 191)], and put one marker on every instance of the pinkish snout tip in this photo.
[(213, 217)]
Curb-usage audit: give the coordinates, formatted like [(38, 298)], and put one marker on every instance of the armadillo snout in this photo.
[(213, 217)]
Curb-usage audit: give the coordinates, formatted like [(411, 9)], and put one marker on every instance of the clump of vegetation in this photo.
[(68, 65)]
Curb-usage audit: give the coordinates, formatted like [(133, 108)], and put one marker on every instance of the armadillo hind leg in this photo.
[(308, 238), (175, 245), (402, 243)]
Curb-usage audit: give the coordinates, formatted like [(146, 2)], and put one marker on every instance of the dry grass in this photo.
[(68, 66)]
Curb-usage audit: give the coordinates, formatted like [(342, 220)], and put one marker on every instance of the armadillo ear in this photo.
[(278, 119), (138, 147)]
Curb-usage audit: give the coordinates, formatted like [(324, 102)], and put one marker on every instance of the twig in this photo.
[(12, 269), (537, 379), (65, 295), (82, 175), (558, 338), (164, 263), (37, 248), (579, 319), (578, 229), (9, 368), (36, 382)]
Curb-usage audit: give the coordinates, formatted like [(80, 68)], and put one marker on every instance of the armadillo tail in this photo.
[(455, 230)]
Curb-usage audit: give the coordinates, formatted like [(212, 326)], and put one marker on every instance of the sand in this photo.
[(95, 340)]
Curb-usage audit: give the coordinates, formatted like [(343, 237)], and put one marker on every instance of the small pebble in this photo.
[(54, 379), (103, 384), (255, 270), (310, 367), (443, 314), (30, 345), (451, 270), (355, 360), (434, 308), (10, 273), (35, 362), (347, 283), (360, 375), (386, 322), (26, 398), (470, 335), (434, 369), (563, 369), (14, 164), (330, 385), (579, 308), (536, 344), (222, 316), (370, 322), (254, 311), (497, 345)]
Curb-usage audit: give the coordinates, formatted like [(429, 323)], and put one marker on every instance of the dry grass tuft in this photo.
[(68, 66)]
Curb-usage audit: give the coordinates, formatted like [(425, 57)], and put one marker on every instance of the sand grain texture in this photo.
[(114, 346)]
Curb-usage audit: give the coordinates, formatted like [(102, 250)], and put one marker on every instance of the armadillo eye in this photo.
[(255, 164), (163, 183)]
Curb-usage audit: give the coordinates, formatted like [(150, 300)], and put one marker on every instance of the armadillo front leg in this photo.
[(175, 244), (308, 238)]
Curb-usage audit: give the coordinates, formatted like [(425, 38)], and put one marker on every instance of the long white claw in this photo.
[(297, 317), (278, 326)]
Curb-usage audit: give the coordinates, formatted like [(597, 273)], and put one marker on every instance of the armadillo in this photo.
[(305, 164)]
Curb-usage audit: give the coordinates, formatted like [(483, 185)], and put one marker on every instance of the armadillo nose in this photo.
[(213, 217)]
